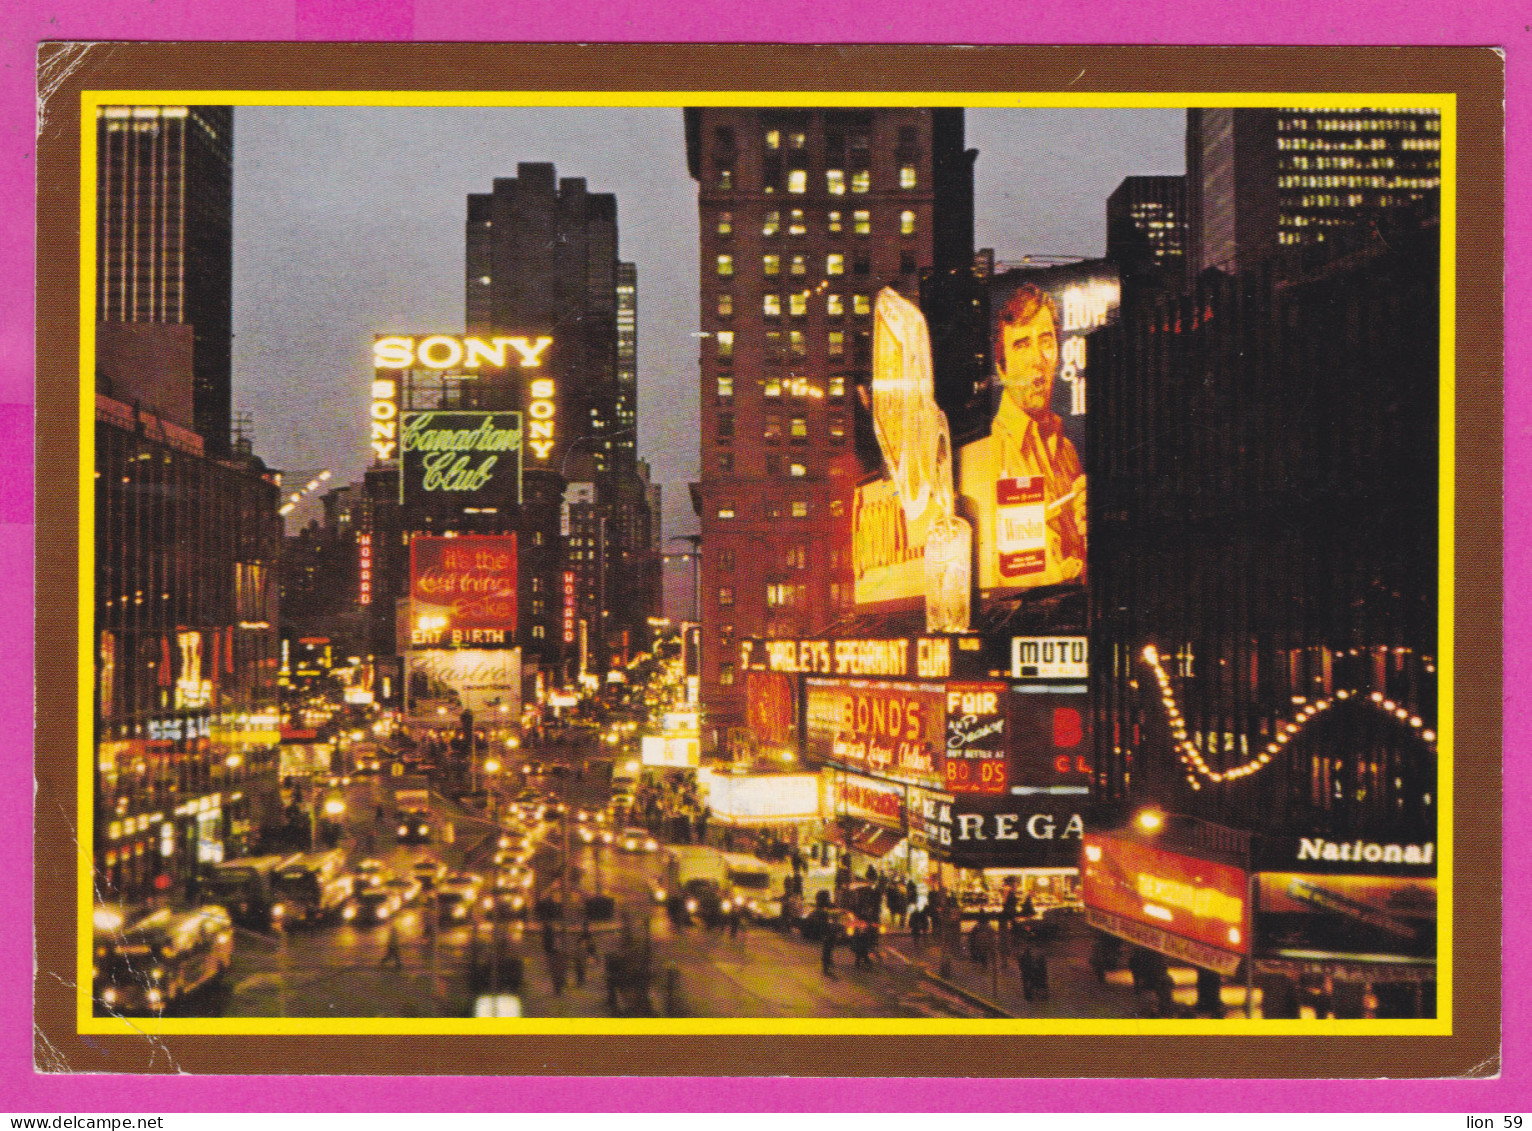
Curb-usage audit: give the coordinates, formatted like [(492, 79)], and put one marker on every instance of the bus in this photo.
[(244, 888), (311, 886), (162, 958)]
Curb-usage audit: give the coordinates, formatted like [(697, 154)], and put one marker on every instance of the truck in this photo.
[(412, 812)]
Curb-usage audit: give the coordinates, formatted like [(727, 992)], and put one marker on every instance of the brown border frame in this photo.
[(1475, 74)]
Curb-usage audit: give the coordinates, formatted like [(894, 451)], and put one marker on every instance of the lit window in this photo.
[(800, 265), (726, 560), (771, 264), (861, 181), (725, 675), (771, 306), (771, 429), (861, 221), (773, 139), (834, 306), (725, 180), (725, 343), (800, 509), (725, 306), (836, 344), (726, 594), (725, 388), (726, 511), (773, 345), (726, 223), (835, 264), (483, 280), (771, 223), (798, 304), (835, 182), (771, 387), (725, 265), (906, 223), (797, 227), (797, 140), (800, 428), (837, 429), (861, 305), (797, 180), (796, 343), (797, 470), (907, 176), (832, 222)]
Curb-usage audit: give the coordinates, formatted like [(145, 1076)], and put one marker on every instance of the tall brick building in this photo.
[(805, 216)]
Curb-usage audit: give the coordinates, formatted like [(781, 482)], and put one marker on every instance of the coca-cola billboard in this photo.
[(463, 591)]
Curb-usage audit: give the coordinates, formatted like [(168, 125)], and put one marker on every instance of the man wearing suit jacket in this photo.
[(1026, 473)]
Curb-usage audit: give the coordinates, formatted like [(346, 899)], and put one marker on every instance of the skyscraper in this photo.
[(805, 216), (542, 259), (1146, 226), (164, 239), (1262, 179)]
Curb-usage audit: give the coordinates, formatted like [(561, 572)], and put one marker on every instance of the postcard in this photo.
[(860, 561)]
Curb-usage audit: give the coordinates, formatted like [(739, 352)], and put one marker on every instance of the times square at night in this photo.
[(1057, 636)]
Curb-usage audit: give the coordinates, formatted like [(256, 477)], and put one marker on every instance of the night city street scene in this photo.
[(765, 562)]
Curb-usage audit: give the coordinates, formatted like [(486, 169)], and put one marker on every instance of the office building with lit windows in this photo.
[(1146, 227), (164, 263), (542, 259), (805, 216), (1262, 179)]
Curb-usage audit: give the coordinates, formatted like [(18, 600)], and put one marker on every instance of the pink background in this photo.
[(24, 23)]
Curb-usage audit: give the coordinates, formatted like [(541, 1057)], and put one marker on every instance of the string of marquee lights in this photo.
[(1286, 731)]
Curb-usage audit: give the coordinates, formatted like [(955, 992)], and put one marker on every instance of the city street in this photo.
[(337, 969)]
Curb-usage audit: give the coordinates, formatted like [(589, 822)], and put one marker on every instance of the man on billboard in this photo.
[(1024, 480)]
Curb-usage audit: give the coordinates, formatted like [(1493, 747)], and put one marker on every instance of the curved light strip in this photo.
[(1192, 758)]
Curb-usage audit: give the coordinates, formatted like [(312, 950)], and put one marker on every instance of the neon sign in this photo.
[(384, 415), (458, 454), (541, 409), (443, 351), (364, 569)]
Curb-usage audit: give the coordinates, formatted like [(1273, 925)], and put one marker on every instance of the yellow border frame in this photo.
[(1441, 1025)]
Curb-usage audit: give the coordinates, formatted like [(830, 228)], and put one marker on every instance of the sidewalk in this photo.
[(1073, 988)]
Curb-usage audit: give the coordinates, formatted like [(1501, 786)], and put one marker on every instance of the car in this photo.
[(635, 839), (376, 904), (429, 872), (508, 904), (513, 876), (414, 828), (457, 898), (843, 922), (369, 873), (703, 899), (407, 888), (513, 850)]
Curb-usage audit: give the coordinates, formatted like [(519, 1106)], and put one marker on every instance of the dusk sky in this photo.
[(350, 222)]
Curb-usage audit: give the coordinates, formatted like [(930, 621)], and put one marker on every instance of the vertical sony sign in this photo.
[(384, 418)]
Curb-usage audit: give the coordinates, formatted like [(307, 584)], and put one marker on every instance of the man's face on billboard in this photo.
[(1029, 360)]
